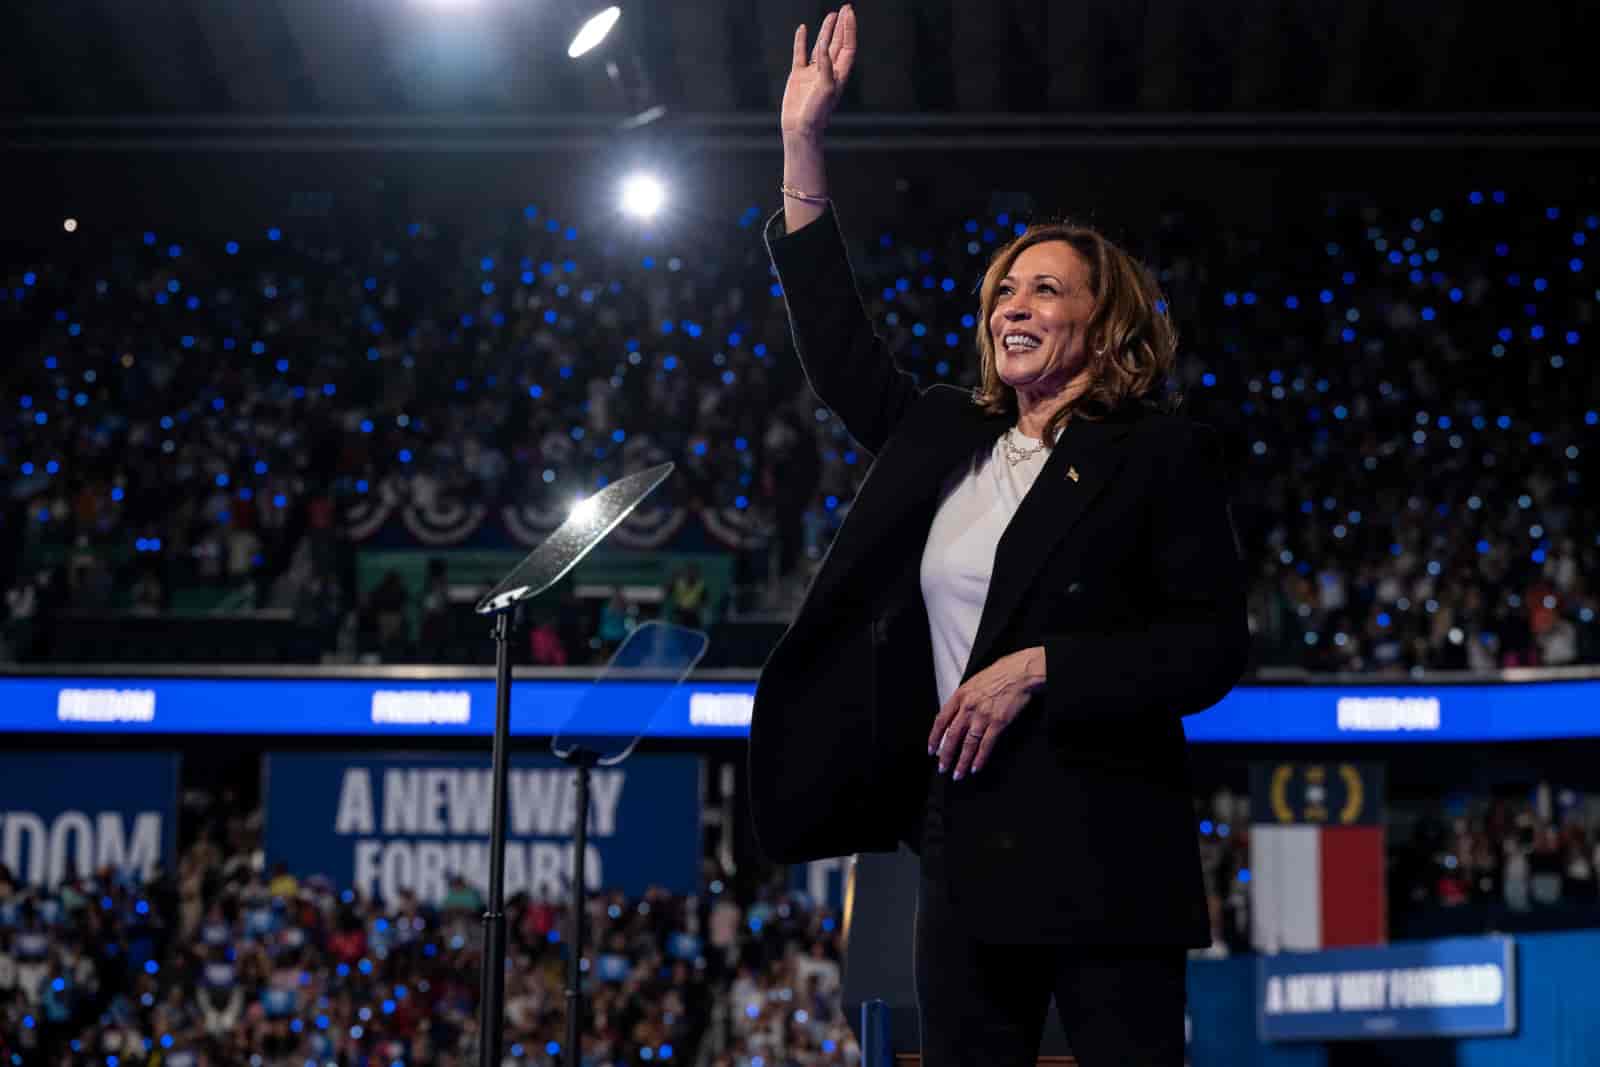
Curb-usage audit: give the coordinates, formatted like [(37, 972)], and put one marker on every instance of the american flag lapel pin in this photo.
[(1072, 472)]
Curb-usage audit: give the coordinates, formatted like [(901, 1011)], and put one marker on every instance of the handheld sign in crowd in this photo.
[(1456, 987), (380, 824)]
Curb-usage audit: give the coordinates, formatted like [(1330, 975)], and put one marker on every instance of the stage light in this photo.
[(593, 31), (642, 196), (70, 225), (582, 510)]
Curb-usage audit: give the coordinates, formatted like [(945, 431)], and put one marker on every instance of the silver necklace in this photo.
[(1016, 454)]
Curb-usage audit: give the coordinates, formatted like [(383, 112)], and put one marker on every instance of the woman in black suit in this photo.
[(1037, 580)]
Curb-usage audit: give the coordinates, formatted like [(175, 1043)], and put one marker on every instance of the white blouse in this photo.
[(976, 503)]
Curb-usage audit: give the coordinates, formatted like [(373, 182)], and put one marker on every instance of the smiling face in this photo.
[(1041, 316)]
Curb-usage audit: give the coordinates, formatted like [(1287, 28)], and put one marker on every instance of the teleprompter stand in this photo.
[(653, 652)]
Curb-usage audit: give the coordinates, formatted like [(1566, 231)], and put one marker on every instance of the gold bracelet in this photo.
[(789, 190)]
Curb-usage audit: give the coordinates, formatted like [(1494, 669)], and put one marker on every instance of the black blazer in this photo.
[(1121, 561)]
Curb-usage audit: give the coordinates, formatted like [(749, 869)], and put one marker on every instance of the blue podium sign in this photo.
[(1457, 987)]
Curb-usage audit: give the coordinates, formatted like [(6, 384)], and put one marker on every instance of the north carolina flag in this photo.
[(1316, 856)]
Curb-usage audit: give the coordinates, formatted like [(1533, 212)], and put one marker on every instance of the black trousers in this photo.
[(985, 1005)]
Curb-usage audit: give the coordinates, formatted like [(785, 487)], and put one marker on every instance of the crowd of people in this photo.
[(1468, 863), (1400, 385), (230, 959)]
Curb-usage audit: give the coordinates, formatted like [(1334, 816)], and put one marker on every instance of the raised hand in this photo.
[(814, 85)]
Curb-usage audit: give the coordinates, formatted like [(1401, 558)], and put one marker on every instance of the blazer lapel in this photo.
[(911, 468), (1082, 463)]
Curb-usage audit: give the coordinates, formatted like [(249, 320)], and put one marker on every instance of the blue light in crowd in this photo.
[(670, 363), (951, 340), (530, 212), (116, 493), (1222, 829), (552, 1048), (222, 481), (217, 403), (698, 448), (149, 238), (174, 286), (151, 967), (1208, 379), (1575, 264), (174, 251), (1427, 314), (550, 317), (486, 263), (405, 455), (274, 234), (232, 248), (967, 321), (59, 984), (282, 365), (831, 502), (527, 277), (1230, 299), (40, 418), (760, 350), (741, 501), (727, 377), (536, 391), (1326, 296), (775, 289), (487, 288), (27, 468), (343, 970), (1499, 196), (566, 372), (1244, 874), (1205, 826)]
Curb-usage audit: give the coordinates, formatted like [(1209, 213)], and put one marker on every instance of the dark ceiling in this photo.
[(168, 58)]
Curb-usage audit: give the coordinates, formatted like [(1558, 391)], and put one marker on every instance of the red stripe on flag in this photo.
[(1355, 906)]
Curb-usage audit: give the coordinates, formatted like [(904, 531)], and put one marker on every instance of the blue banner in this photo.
[(65, 814), (383, 823), (449, 705), (1451, 988), (444, 707)]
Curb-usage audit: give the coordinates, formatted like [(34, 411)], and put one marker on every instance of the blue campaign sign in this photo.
[(382, 823), (440, 707), (1456, 987), (68, 813), (451, 705)]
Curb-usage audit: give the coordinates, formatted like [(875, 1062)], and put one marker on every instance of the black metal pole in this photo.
[(493, 990), (583, 760)]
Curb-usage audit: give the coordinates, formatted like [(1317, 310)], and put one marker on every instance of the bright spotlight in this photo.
[(70, 225), (593, 32), (642, 196), (582, 510)]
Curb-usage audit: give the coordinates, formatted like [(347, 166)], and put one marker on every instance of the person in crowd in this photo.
[(1039, 579)]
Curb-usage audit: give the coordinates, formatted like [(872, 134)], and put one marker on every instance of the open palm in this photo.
[(814, 86)]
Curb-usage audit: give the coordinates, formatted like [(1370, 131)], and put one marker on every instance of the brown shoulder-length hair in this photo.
[(1131, 341)]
